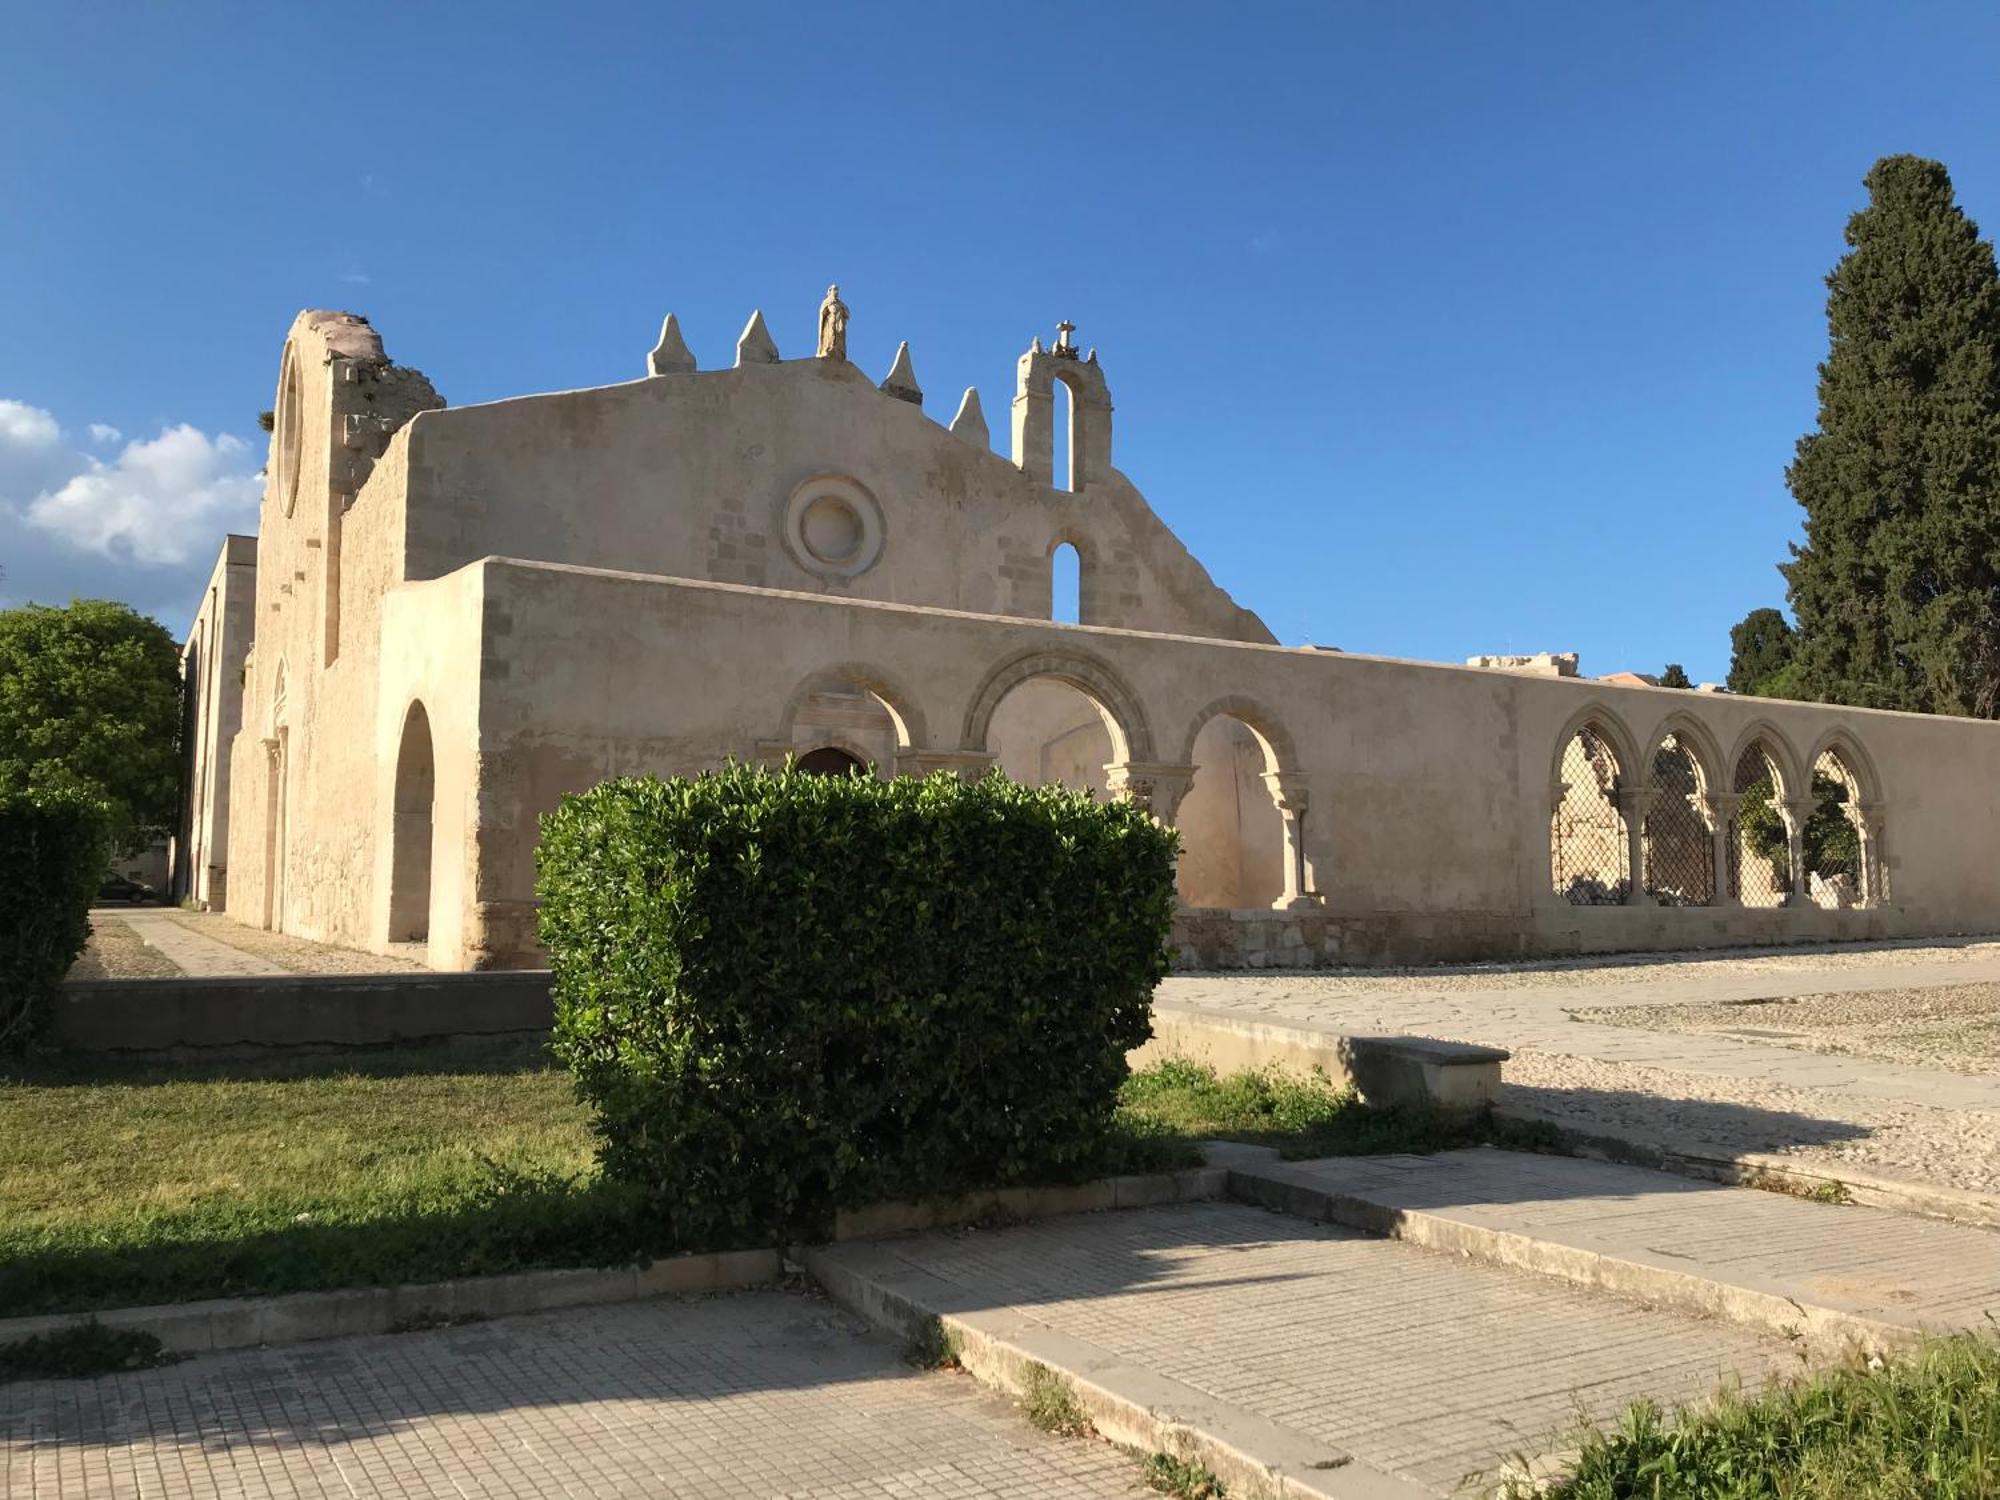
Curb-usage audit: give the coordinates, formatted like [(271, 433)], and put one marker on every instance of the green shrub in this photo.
[(785, 994), (52, 846), (1920, 1426)]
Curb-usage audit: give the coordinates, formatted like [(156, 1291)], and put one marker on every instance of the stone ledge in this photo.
[(1870, 1187), (243, 1322), (1383, 1070)]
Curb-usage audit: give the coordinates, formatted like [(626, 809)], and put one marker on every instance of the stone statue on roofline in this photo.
[(833, 325)]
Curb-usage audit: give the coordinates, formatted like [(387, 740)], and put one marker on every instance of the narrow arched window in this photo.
[(1066, 584)]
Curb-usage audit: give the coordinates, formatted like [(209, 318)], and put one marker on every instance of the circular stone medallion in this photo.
[(833, 527)]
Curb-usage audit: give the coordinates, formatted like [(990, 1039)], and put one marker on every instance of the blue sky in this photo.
[(1433, 329)]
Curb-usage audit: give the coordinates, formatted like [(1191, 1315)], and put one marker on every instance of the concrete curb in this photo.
[(1257, 1176), (1871, 1188), (245, 1322), (1126, 1403)]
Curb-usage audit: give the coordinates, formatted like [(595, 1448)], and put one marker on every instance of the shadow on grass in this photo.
[(497, 1055)]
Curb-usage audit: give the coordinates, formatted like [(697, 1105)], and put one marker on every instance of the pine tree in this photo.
[(1760, 649), (1897, 588)]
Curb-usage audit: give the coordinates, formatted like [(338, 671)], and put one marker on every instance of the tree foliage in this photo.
[(1897, 588), (90, 701), (1761, 648), (1675, 676)]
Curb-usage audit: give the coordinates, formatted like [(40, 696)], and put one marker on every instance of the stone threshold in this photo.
[(216, 1324)]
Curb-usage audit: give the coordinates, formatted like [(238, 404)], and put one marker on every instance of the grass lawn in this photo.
[(123, 1184), (1921, 1427)]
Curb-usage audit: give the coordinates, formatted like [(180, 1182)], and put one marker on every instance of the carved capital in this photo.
[(1290, 790), (1154, 786)]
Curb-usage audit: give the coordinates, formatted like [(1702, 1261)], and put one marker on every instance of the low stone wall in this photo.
[(1317, 939), (301, 1011)]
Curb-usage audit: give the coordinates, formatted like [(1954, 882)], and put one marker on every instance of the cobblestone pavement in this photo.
[(1423, 1364), (1951, 1026), (758, 1394), (1697, 1090)]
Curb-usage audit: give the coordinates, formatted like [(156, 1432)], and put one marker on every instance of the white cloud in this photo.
[(104, 432), (27, 427), (33, 455), (160, 501)]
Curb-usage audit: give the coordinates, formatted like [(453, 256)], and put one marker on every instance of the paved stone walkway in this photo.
[(759, 1394), (1911, 1273), (1427, 1366), (190, 951), (1690, 1090)]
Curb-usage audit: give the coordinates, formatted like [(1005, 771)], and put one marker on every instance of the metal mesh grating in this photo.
[(1760, 865), (1680, 852), (1588, 854), (1833, 839)]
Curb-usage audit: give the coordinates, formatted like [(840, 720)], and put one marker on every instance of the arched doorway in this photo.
[(831, 760), (1232, 833), (1589, 851), (416, 797)]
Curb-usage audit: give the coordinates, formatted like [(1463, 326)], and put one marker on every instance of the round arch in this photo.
[(911, 733), (412, 828), (1279, 752), (1131, 738)]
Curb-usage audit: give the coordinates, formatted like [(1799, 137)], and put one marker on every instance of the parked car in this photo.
[(118, 888)]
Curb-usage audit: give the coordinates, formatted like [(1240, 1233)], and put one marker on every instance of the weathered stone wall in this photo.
[(213, 657), (1429, 787)]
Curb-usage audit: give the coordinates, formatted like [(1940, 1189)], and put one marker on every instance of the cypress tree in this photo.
[(1897, 588)]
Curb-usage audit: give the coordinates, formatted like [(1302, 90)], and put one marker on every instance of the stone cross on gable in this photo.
[(1064, 348)]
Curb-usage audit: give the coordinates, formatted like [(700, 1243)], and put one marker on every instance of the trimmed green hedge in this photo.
[(786, 994), (52, 846)]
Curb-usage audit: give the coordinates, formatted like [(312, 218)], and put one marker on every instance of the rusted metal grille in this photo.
[(1588, 855), (1680, 852), (1759, 862), (1833, 838)]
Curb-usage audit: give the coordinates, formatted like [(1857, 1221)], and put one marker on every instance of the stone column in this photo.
[(1288, 791), (1721, 808), (1874, 879), (1634, 803), (1795, 811)]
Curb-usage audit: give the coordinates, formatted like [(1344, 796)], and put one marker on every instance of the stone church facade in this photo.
[(462, 613)]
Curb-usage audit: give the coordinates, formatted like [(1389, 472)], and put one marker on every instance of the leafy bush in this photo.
[(52, 845), (785, 994)]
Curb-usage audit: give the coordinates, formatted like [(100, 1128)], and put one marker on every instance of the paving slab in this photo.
[(190, 951), (1416, 1365), (755, 1394), (1848, 1273)]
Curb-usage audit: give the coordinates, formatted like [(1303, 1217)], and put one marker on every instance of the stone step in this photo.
[(1836, 1276)]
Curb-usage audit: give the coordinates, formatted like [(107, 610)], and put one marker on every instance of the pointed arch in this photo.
[(1778, 749), (1698, 740), (1609, 726), (1860, 765)]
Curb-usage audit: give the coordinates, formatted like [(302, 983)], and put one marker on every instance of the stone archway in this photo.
[(414, 831)]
